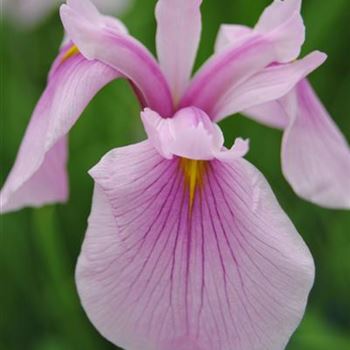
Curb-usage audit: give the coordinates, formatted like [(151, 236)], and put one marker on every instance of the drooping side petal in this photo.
[(157, 273), (98, 40), (248, 53), (268, 85), (178, 35), (315, 155), (38, 176)]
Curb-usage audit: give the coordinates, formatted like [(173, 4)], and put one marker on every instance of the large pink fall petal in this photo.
[(38, 176), (98, 40), (178, 35), (268, 85), (157, 273), (315, 155)]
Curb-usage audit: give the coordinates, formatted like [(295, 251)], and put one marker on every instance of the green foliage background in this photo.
[(39, 308)]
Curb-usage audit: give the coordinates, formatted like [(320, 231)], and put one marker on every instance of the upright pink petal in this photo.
[(226, 70), (270, 84), (178, 35), (231, 34), (247, 52), (280, 18), (157, 272), (277, 13), (100, 39), (315, 155), (38, 176)]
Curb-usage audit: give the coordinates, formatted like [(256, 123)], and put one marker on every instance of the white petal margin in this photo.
[(231, 273)]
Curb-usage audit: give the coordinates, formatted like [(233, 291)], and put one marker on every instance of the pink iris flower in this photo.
[(187, 247)]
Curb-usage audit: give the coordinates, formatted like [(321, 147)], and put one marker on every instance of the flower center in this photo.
[(194, 171)]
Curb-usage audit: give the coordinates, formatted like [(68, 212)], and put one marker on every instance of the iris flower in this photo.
[(187, 247)]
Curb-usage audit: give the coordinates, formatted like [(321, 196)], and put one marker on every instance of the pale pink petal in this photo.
[(268, 85), (38, 176), (315, 155), (157, 273), (48, 184), (231, 34), (157, 130), (225, 70), (86, 9), (248, 54), (178, 35), (275, 19), (277, 13), (239, 149), (283, 22), (190, 134), (271, 114), (97, 39)]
